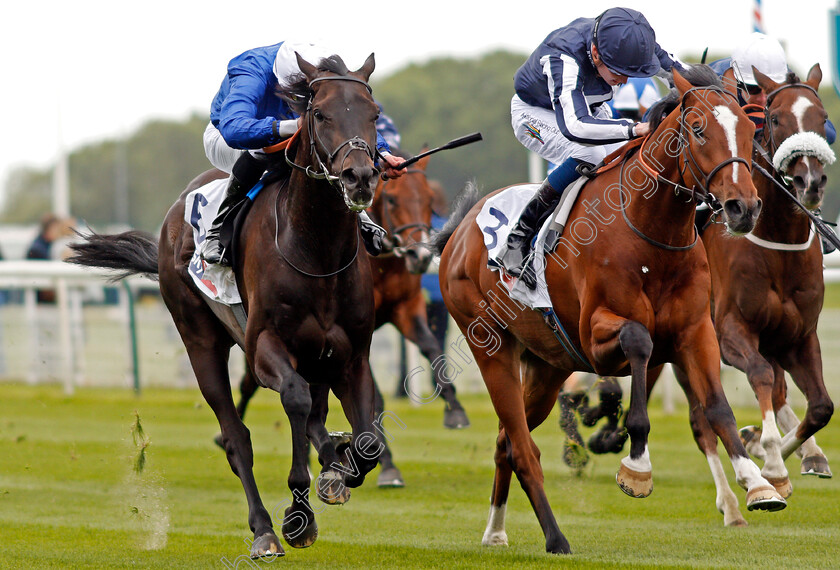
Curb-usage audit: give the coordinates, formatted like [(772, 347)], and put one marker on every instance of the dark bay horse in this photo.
[(631, 292), (307, 290), (768, 290), (403, 206)]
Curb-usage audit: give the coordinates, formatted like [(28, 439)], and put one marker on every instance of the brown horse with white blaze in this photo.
[(632, 292), (768, 289), (306, 289)]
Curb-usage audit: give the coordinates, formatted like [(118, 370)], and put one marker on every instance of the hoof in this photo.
[(558, 546), (737, 523), (782, 485), (765, 498), (268, 545), (638, 484), (608, 441), (340, 440), (331, 489), (495, 539), (390, 477), (575, 455), (455, 418), (751, 438), (218, 440), (816, 465), (294, 535)]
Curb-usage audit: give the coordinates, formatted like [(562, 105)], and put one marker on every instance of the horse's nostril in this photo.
[(799, 182), (822, 182), (734, 208)]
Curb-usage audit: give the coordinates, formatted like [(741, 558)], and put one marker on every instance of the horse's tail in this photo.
[(128, 253), (468, 198)]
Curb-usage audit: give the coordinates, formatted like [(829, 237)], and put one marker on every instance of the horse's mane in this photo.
[(699, 75), (297, 92)]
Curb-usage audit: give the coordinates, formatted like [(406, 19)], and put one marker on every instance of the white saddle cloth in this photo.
[(200, 208), (497, 218)]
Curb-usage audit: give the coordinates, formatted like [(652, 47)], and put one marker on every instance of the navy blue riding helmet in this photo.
[(626, 42)]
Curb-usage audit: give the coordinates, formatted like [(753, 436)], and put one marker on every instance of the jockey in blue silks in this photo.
[(560, 108), (768, 56), (246, 115)]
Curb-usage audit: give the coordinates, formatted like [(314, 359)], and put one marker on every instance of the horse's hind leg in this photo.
[(541, 386), (805, 366), (411, 322), (740, 349), (390, 475), (726, 501), (247, 388)]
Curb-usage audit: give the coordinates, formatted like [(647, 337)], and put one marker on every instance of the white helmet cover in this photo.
[(285, 63), (762, 52)]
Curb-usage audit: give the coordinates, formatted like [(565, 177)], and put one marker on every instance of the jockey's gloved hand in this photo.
[(372, 234)]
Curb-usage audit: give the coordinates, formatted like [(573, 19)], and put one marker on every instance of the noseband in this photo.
[(315, 141), (689, 164)]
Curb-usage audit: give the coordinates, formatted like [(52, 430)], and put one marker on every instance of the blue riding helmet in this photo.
[(626, 42)]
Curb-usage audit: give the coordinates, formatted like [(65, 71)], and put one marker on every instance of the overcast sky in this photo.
[(79, 71)]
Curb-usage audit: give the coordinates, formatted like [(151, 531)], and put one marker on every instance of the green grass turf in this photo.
[(70, 499)]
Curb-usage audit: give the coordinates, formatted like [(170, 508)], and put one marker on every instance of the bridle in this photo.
[(396, 245), (321, 170), (688, 165)]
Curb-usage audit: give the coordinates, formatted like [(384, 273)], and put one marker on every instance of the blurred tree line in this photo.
[(430, 103)]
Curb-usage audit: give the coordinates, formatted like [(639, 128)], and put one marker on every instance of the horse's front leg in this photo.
[(356, 394), (273, 367), (700, 360), (739, 348), (725, 501), (804, 363), (411, 321), (329, 486)]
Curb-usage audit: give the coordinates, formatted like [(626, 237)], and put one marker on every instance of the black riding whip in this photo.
[(820, 225), (474, 137)]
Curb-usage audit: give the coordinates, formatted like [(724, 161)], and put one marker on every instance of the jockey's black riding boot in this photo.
[(372, 234), (519, 238), (246, 172)]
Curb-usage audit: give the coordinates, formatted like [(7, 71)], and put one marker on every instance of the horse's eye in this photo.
[(319, 116), (697, 130), (774, 120)]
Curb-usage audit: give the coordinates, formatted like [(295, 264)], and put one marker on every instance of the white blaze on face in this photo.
[(798, 109), (729, 122)]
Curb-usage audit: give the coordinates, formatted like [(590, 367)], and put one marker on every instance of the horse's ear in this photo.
[(309, 70), (367, 68), (767, 85), (730, 84), (681, 83), (814, 77)]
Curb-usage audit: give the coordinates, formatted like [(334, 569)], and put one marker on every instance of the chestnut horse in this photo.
[(403, 206), (307, 291), (768, 290), (635, 292)]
